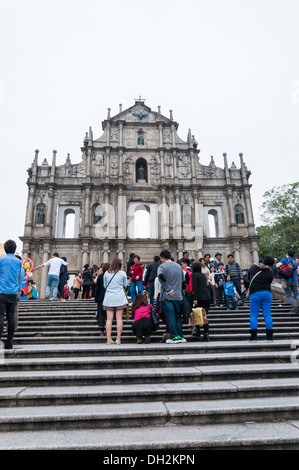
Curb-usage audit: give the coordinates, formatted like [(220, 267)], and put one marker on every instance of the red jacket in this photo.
[(136, 270)]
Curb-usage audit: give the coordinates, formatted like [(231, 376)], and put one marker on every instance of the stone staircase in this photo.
[(63, 387)]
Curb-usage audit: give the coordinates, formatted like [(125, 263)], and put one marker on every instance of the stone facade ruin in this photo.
[(138, 188)]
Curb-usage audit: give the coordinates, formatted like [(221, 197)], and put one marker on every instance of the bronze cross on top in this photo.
[(139, 100)]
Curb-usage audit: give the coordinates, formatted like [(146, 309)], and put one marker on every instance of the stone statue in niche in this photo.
[(40, 216), (141, 173), (98, 165), (141, 140), (239, 217), (183, 166), (168, 164)]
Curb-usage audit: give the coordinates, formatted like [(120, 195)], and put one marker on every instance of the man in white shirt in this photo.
[(53, 275)]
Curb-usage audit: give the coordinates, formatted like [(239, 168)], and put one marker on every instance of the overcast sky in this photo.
[(227, 68)]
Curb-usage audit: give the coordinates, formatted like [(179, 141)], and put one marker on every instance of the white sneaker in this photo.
[(172, 340), (181, 339)]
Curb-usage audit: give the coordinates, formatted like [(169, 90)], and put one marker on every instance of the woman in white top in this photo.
[(115, 283)]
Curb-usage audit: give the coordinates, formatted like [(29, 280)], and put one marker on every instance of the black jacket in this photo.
[(200, 288), (63, 275), (99, 289), (262, 282), (151, 272), (87, 277)]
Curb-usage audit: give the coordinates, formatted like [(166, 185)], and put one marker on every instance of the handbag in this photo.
[(248, 290), (155, 320), (198, 317)]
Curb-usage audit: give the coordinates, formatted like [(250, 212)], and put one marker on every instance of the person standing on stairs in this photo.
[(53, 275), (201, 297), (260, 277), (115, 300), (11, 278)]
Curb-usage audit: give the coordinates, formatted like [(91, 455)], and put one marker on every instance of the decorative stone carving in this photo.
[(114, 165), (155, 170), (114, 135), (128, 170), (167, 138), (183, 166)]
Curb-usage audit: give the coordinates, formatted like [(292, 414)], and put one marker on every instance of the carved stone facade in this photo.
[(138, 170)]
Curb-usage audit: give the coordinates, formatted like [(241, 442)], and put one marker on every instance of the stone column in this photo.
[(49, 212), (106, 252), (249, 212), (161, 135), (233, 225), (85, 253), (162, 166), (177, 233), (86, 222), (107, 165), (198, 223), (122, 211), (165, 221), (30, 210)]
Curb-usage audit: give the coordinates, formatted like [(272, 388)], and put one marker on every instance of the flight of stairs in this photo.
[(63, 387)]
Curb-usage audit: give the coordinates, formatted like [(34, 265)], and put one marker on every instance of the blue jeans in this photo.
[(133, 286), (261, 300), (231, 298), (55, 280), (292, 288), (172, 310), (152, 293)]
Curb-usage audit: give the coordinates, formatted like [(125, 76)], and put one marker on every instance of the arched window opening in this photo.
[(97, 214), (141, 170), (69, 224), (142, 222), (213, 223)]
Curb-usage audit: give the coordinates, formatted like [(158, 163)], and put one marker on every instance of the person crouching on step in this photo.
[(142, 323)]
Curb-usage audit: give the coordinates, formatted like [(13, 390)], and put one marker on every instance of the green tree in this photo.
[(280, 212)]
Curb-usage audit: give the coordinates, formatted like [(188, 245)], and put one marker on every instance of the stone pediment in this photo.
[(140, 113)]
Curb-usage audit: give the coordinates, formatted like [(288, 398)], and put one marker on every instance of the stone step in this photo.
[(160, 442), (76, 337), (139, 375), (147, 413), (218, 390), (148, 361), (126, 350)]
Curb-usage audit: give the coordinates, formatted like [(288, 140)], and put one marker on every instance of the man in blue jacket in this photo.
[(11, 277), (292, 282)]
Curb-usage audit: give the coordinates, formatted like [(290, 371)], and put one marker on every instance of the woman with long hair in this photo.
[(115, 300), (142, 323), (201, 297)]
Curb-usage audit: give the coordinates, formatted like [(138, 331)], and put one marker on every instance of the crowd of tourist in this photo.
[(165, 288)]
